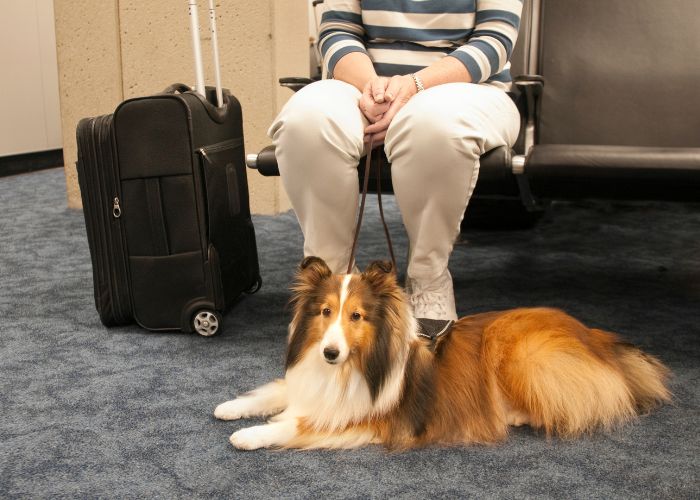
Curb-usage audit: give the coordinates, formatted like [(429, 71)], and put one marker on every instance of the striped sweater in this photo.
[(404, 36)]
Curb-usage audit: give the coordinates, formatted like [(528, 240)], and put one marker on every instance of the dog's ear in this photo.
[(313, 270), (380, 273)]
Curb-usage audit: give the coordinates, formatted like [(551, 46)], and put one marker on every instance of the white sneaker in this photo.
[(434, 299)]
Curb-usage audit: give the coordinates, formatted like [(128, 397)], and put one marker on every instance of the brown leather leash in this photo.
[(365, 185), (431, 329)]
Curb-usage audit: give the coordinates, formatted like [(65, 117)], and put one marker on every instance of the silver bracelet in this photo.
[(418, 82)]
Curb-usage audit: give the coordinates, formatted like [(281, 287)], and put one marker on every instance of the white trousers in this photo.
[(433, 143)]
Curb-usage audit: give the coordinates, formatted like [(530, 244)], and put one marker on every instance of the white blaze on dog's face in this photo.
[(334, 346), (342, 317)]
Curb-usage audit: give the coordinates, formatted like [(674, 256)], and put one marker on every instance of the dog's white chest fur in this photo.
[(329, 396)]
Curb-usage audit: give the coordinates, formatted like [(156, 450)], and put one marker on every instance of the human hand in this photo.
[(372, 102), (398, 92)]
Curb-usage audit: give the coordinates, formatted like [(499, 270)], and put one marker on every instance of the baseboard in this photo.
[(29, 162)]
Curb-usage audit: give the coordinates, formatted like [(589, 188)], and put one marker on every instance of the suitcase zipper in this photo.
[(116, 278), (109, 243), (219, 146), (92, 207), (119, 276), (116, 209)]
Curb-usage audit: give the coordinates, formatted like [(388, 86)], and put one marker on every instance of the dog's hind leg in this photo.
[(268, 399)]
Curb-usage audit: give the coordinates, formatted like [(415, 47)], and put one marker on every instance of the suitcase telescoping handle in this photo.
[(197, 47), (215, 50)]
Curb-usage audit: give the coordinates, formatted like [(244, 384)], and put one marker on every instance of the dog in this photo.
[(357, 372)]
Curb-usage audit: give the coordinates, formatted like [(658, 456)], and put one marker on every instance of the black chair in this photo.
[(620, 115)]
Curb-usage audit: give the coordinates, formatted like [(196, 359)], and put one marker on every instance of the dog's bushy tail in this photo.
[(569, 388), (646, 377)]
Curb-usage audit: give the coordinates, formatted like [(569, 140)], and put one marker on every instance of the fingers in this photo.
[(372, 111), (377, 87), (393, 88), (399, 90), (383, 122)]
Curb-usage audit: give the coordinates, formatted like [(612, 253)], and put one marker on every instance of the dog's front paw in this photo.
[(248, 439), (231, 410)]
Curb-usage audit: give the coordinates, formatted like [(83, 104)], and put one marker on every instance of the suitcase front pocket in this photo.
[(160, 215), (226, 195), (228, 215), (220, 164), (163, 286)]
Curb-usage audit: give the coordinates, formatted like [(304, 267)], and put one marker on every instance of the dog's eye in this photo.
[(326, 311), (356, 316)]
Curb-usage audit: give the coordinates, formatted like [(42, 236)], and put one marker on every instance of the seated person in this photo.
[(428, 80)]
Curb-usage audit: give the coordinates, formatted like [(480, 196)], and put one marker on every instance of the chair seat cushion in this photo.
[(570, 170)]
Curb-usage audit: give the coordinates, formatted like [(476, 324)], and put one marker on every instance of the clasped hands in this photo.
[(381, 99)]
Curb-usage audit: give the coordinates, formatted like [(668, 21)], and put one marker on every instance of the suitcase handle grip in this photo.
[(177, 87), (217, 113)]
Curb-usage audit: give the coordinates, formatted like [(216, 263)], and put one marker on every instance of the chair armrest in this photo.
[(525, 79), (529, 86), (265, 162), (295, 83)]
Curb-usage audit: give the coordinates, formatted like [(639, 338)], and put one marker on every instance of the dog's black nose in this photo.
[(330, 353)]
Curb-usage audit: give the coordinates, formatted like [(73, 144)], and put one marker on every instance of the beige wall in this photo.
[(110, 50), (30, 121)]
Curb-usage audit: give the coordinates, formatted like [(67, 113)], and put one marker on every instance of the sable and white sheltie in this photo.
[(357, 372)]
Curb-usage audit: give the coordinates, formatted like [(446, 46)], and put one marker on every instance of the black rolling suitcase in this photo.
[(165, 198)]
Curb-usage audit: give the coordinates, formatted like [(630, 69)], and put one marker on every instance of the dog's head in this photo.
[(360, 319)]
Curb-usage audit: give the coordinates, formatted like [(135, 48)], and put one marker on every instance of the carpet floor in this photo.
[(124, 413)]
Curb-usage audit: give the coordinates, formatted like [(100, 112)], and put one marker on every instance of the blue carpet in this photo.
[(124, 413)]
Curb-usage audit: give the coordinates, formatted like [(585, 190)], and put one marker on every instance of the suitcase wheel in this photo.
[(255, 286), (206, 322)]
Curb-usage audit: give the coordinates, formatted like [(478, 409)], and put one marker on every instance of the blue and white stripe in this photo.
[(403, 36)]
